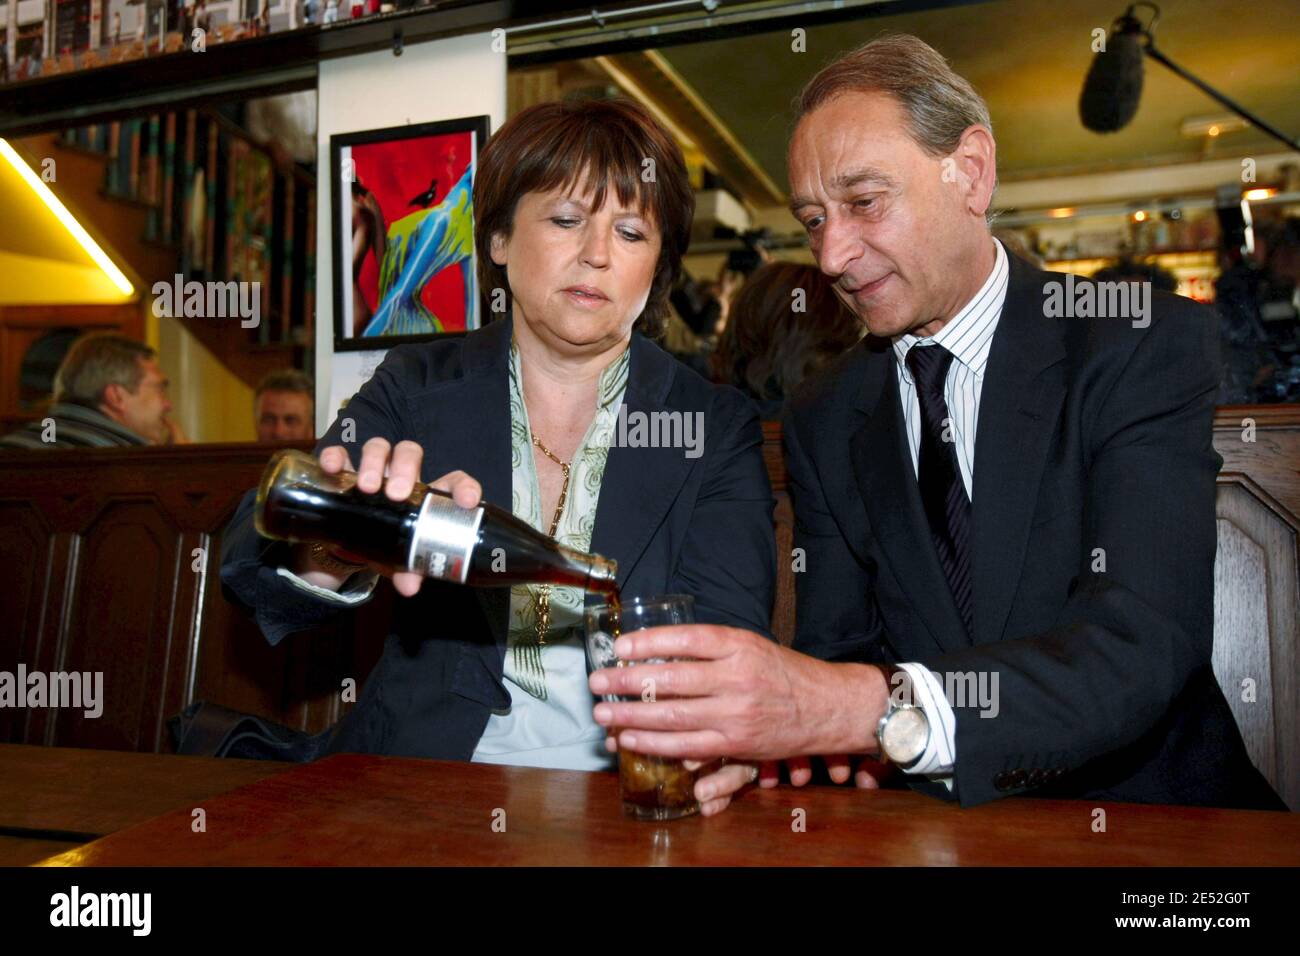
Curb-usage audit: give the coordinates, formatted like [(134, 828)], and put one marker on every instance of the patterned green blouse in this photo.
[(549, 722), (526, 661)]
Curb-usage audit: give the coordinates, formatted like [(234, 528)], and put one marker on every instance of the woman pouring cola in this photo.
[(582, 212)]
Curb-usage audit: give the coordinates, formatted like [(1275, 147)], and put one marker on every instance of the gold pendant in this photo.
[(542, 604)]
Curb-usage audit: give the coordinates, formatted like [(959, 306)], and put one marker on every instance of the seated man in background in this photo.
[(108, 391), (283, 407)]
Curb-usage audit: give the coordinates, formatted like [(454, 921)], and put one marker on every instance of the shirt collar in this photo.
[(613, 380), (970, 333)]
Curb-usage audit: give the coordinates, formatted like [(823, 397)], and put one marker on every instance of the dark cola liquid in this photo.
[(426, 533), (615, 602), (653, 788), (372, 526), (510, 551)]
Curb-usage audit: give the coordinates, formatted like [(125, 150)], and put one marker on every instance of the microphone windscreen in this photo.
[(1114, 84)]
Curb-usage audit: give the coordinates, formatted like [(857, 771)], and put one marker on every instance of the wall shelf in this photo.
[(275, 63)]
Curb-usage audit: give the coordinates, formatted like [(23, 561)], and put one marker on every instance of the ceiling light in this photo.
[(1197, 127), (64, 216)]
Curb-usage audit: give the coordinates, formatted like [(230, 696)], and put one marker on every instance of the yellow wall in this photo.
[(210, 402), (36, 280)]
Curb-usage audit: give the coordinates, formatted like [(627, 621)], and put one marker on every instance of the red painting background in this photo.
[(396, 172)]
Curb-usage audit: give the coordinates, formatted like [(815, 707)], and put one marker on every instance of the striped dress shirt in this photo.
[(968, 336)]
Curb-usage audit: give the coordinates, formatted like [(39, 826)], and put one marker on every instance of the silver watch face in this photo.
[(905, 735)]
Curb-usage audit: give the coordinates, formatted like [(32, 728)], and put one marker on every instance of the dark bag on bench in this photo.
[(205, 729)]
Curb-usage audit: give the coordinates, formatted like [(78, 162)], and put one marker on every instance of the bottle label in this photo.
[(444, 539)]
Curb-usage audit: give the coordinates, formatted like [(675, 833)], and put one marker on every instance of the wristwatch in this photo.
[(328, 561), (904, 731)]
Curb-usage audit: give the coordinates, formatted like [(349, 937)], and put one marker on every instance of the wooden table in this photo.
[(55, 798), (362, 810)]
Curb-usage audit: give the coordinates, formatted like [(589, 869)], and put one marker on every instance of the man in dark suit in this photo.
[(1031, 611)]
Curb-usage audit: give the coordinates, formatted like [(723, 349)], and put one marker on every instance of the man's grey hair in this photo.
[(96, 361), (286, 380), (940, 104)]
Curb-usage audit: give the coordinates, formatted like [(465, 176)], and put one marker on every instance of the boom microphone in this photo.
[(1114, 82)]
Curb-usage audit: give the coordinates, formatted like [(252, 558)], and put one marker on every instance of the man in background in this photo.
[(108, 391), (283, 407)]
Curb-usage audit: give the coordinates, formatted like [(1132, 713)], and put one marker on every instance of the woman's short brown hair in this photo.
[(551, 145)]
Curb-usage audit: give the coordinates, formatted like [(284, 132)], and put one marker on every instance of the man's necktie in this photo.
[(947, 508)]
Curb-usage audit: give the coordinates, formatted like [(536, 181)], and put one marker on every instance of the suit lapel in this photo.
[(882, 465), (1020, 404), (640, 483), (469, 417), (469, 430)]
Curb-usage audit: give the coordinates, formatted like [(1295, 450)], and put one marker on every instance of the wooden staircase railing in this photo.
[(228, 210)]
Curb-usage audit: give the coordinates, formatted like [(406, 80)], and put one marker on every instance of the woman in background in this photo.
[(784, 324)]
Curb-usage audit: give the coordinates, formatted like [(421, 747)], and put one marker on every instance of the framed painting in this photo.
[(403, 220)]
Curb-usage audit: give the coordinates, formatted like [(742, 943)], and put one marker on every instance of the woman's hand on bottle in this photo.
[(396, 469)]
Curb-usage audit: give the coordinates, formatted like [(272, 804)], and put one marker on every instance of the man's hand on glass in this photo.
[(743, 697)]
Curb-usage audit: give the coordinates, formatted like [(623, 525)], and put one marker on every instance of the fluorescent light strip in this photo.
[(69, 221)]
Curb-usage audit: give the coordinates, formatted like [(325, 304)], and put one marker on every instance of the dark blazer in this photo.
[(700, 526), (1092, 434)]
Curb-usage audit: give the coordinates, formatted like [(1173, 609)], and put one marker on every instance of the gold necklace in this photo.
[(542, 596)]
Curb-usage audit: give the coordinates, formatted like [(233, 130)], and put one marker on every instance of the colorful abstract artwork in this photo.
[(404, 232)]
